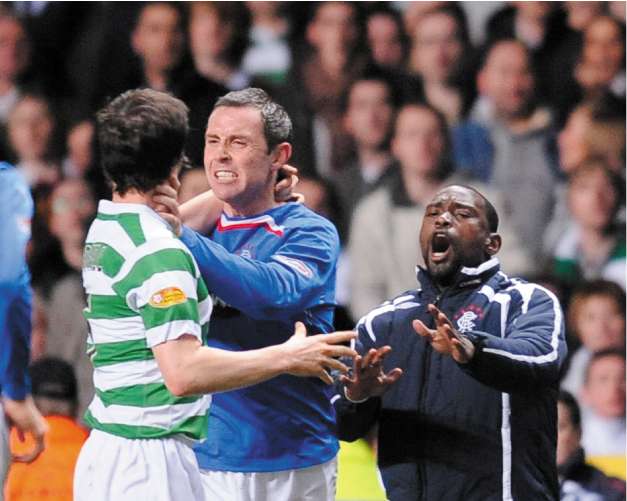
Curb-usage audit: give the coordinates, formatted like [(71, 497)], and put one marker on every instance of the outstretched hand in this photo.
[(445, 338), (368, 378), (164, 202), (314, 355)]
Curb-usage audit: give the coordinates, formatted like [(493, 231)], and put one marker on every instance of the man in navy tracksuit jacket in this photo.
[(473, 416)]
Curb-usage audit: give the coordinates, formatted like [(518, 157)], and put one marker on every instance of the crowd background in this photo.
[(390, 102)]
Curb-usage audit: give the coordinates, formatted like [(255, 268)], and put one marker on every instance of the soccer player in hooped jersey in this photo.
[(148, 310), (269, 264)]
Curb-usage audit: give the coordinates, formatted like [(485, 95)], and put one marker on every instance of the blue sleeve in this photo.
[(288, 283), (16, 211), (533, 349), (15, 330), (16, 207)]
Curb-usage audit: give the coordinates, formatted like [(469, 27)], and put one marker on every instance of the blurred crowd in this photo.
[(390, 101)]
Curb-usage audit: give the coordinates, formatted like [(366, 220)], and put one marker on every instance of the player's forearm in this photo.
[(209, 370), (201, 212)]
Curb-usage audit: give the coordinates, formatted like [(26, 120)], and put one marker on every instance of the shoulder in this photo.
[(387, 313), (300, 221)]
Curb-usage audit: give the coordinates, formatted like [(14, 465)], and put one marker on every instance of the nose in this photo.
[(443, 220)]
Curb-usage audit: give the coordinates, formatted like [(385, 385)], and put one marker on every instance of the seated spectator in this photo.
[(579, 481), (318, 81), (15, 58), (506, 141), (79, 146), (383, 242), (603, 395), (368, 114), (439, 47), (31, 130), (602, 63), (50, 476), (593, 246), (218, 38), (268, 57), (387, 41), (596, 322), (72, 209)]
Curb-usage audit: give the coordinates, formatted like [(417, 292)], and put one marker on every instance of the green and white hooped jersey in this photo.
[(143, 288)]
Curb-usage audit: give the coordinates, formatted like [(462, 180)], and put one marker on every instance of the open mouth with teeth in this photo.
[(440, 247), (225, 176)]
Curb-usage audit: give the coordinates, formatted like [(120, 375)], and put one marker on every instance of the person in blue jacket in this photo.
[(474, 415), (268, 264), (16, 210)]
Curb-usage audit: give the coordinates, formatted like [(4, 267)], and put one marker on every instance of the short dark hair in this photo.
[(566, 398), (372, 73), (141, 136), (277, 125), (53, 378), (490, 212)]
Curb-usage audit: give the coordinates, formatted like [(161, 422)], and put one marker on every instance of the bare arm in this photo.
[(201, 213), (189, 368), (27, 419)]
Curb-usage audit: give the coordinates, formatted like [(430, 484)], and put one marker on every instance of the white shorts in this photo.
[(112, 468), (316, 483)]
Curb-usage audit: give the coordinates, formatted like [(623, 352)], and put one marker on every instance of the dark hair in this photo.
[(277, 126), (141, 135), (609, 352), (571, 404), (384, 9)]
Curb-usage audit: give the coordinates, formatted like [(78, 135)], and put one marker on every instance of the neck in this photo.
[(373, 156), (73, 254), (156, 78), (131, 197), (333, 63), (420, 189), (251, 207), (213, 69)]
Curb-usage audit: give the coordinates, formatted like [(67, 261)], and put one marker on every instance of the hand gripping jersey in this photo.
[(267, 272), (143, 288)]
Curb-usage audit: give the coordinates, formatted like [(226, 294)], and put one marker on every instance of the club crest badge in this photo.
[(467, 317)]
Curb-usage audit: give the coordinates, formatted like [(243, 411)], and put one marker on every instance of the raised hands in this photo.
[(445, 338), (368, 378)]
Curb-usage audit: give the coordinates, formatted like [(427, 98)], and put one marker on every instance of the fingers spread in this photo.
[(422, 329)]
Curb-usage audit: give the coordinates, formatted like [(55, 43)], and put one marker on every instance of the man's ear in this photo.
[(493, 243), (280, 155)]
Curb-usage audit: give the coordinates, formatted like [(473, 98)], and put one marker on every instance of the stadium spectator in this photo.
[(602, 64), (15, 56), (55, 392), (593, 245), (603, 395), (218, 38), (369, 110), (506, 141), (16, 403), (387, 40), (579, 480), (596, 322), (474, 415), (382, 245), (31, 132), (317, 83), (268, 58), (72, 209), (148, 304), (79, 146), (439, 48)]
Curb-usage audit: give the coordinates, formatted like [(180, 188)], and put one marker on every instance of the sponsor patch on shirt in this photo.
[(296, 265), (167, 297)]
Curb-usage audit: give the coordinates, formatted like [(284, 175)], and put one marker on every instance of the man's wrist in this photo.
[(354, 400)]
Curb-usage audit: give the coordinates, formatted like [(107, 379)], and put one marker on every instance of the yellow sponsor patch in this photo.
[(167, 297)]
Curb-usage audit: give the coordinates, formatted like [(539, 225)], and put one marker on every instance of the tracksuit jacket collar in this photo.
[(466, 276)]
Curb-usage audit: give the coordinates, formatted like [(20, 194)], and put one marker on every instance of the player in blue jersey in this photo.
[(16, 209), (269, 265)]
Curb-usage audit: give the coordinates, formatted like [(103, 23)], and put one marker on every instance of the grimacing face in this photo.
[(238, 165), (455, 233)]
